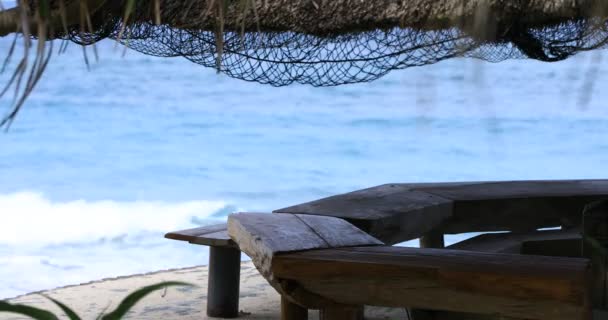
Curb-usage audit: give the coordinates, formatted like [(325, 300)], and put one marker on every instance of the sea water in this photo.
[(101, 163)]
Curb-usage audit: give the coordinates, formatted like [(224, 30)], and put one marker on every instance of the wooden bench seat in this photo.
[(224, 267), (325, 263), (522, 243), (215, 235), (519, 286)]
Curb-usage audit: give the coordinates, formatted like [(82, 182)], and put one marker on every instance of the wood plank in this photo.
[(398, 212), (517, 189), (518, 205), (432, 239), (263, 235), (345, 313), (555, 248), (517, 215), (510, 242), (595, 229), (392, 213), (214, 235), (292, 311), (529, 287)]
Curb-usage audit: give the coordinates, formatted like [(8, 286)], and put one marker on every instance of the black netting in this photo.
[(282, 58)]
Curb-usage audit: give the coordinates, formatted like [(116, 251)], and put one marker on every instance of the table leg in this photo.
[(223, 285), (431, 239), (292, 311), (348, 313)]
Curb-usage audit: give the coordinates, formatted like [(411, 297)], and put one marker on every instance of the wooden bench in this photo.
[(394, 213), (326, 263), (224, 267), (567, 242)]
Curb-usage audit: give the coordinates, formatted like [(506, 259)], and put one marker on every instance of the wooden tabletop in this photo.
[(398, 212)]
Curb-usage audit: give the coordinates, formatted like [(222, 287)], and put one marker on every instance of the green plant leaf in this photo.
[(128, 302), (67, 310), (32, 312)]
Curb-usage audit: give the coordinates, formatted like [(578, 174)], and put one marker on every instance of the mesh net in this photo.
[(280, 58)]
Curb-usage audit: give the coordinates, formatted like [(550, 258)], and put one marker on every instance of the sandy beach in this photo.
[(258, 299)]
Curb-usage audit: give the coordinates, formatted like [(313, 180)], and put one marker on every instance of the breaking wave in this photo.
[(31, 218)]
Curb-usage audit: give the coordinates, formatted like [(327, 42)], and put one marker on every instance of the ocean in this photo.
[(100, 164)]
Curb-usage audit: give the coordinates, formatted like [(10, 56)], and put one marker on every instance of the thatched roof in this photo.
[(318, 42)]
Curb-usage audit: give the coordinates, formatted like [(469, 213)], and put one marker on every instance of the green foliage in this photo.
[(32, 312), (118, 313)]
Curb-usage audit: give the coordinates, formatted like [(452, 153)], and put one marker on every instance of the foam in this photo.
[(30, 218)]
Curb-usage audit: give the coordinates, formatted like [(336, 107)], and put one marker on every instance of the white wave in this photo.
[(30, 218)]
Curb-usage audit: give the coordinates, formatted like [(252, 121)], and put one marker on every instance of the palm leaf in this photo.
[(134, 297), (32, 312), (67, 310)]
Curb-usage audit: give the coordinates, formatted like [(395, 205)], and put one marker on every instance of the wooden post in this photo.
[(595, 233), (432, 239), (292, 311), (223, 285), (345, 313)]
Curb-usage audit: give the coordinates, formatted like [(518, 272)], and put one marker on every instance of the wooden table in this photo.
[(394, 213), (399, 212)]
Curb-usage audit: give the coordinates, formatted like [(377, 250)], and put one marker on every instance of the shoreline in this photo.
[(258, 300), (144, 274)]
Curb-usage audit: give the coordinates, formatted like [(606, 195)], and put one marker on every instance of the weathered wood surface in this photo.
[(528, 287), (215, 235), (595, 229), (292, 311), (431, 239), (510, 242), (391, 213), (518, 205), (400, 212), (477, 191), (352, 313), (263, 235)]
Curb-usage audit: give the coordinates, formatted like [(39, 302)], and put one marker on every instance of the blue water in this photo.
[(101, 163)]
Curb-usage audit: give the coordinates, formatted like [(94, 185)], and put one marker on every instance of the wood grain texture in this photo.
[(510, 242), (517, 189), (391, 213), (530, 287), (292, 311), (518, 205), (595, 229), (398, 212), (215, 235), (263, 235), (432, 239)]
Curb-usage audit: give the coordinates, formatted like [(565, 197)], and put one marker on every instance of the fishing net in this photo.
[(328, 49), (316, 42), (282, 57)]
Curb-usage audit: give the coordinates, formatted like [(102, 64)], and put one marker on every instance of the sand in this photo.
[(258, 299)]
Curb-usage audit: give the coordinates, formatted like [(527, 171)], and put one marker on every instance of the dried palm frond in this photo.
[(318, 42)]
